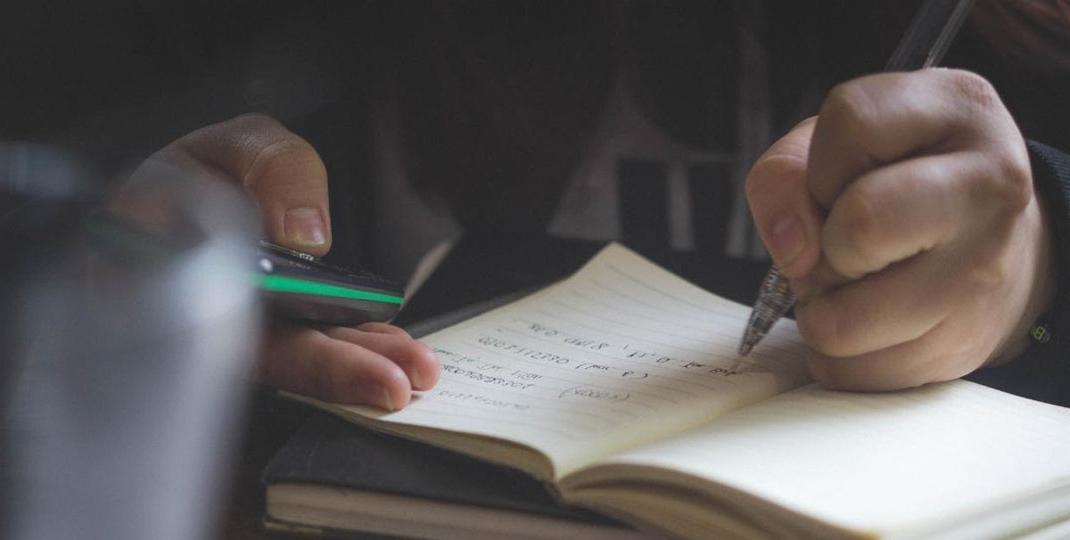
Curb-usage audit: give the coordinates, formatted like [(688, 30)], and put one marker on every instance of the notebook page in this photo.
[(620, 353), (904, 462)]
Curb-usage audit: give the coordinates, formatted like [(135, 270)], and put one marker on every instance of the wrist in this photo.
[(1032, 324)]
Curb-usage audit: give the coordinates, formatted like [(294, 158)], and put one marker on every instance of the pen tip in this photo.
[(745, 348)]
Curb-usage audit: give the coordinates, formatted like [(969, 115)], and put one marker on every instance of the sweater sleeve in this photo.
[(1043, 371)]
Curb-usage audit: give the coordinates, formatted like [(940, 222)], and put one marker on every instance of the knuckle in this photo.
[(861, 216), (988, 272), (833, 328), (411, 350), (1011, 184), (396, 377), (857, 233), (769, 171), (282, 151), (821, 332), (321, 379), (848, 108), (264, 146), (283, 168), (1003, 187), (972, 88), (322, 373)]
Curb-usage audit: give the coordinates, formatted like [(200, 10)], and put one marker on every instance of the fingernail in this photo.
[(416, 379), (786, 240), (304, 227), (387, 402)]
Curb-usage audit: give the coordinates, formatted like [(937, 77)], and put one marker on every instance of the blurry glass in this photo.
[(129, 326)]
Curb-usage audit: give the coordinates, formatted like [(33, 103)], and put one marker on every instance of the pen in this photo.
[(923, 44)]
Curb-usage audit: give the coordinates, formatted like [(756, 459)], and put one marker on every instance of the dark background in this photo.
[(495, 99)]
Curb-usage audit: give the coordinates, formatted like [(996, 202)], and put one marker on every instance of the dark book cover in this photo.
[(330, 451)]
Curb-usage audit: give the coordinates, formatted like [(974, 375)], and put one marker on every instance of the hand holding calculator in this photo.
[(301, 287)]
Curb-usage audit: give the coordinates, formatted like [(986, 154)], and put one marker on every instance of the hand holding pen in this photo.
[(923, 45), (905, 218)]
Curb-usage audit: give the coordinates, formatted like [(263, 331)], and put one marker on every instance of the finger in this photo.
[(906, 365), (878, 119), (281, 171), (786, 217), (900, 210), (415, 358), (308, 362), (383, 328), (897, 305), (819, 280)]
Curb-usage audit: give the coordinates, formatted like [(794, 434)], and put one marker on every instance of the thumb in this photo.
[(281, 172), (785, 214)]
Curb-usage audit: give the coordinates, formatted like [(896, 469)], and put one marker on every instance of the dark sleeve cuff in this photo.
[(1043, 371)]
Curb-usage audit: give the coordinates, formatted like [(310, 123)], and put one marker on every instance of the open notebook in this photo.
[(616, 387)]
